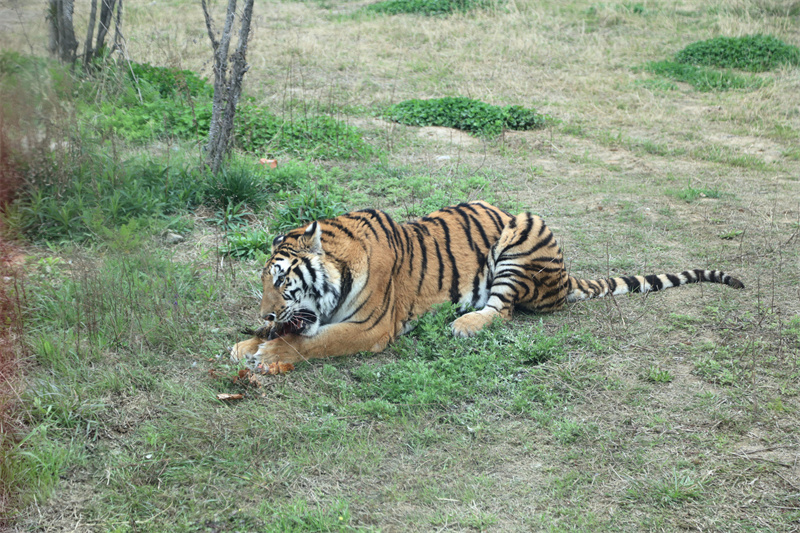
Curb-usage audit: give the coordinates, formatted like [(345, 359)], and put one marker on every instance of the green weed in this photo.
[(755, 53), (428, 7), (690, 194), (465, 114), (323, 137), (246, 244), (730, 235), (719, 364), (32, 467), (657, 374)]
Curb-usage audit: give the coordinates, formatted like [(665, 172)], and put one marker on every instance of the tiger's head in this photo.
[(301, 289)]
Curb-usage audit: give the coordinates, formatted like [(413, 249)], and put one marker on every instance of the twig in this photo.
[(745, 456)]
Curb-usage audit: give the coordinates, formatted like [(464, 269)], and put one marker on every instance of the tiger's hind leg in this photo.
[(526, 269)]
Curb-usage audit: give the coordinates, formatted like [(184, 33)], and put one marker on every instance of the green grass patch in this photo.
[(434, 369), (671, 490), (754, 53), (691, 194), (656, 374), (704, 79), (466, 114), (428, 7)]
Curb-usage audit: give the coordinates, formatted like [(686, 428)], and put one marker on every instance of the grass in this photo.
[(692, 194), (704, 79), (662, 412)]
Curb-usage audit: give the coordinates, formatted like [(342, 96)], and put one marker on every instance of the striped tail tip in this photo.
[(733, 282), (581, 289)]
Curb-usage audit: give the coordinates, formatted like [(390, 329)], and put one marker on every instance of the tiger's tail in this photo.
[(585, 289)]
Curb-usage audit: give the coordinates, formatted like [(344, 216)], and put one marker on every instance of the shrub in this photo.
[(465, 114), (755, 53)]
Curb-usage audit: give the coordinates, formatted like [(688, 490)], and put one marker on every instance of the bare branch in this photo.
[(209, 25)]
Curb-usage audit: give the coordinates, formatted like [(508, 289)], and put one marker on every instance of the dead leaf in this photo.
[(226, 396)]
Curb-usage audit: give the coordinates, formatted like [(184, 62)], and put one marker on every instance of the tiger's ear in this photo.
[(312, 239)]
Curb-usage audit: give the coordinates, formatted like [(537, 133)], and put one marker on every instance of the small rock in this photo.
[(173, 238)]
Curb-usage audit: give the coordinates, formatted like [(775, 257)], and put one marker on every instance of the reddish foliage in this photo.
[(11, 293), (10, 332), (10, 177)]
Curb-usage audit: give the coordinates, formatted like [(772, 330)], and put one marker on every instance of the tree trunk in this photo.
[(106, 11), (61, 36), (62, 42), (87, 46), (227, 85)]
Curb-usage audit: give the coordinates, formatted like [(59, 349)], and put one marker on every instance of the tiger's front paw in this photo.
[(248, 351), (281, 350), (470, 324)]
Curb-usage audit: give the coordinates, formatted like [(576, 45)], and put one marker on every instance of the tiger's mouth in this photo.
[(295, 325)]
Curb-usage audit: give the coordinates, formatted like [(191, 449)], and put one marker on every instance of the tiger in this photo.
[(356, 282)]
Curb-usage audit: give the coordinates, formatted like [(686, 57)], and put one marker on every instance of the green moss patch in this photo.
[(466, 114)]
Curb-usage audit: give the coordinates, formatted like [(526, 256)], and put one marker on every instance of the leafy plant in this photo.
[(657, 374), (305, 207), (428, 7), (246, 244), (755, 53), (465, 114), (170, 81)]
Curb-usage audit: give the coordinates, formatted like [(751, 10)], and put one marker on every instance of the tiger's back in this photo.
[(356, 282)]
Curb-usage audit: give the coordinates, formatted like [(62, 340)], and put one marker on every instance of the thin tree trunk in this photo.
[(118, 28), (88, 53), (226, 90), (106, 12), (52, 27), (62, 42)]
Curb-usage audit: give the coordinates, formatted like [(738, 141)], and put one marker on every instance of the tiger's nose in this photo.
[(269, 317)]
